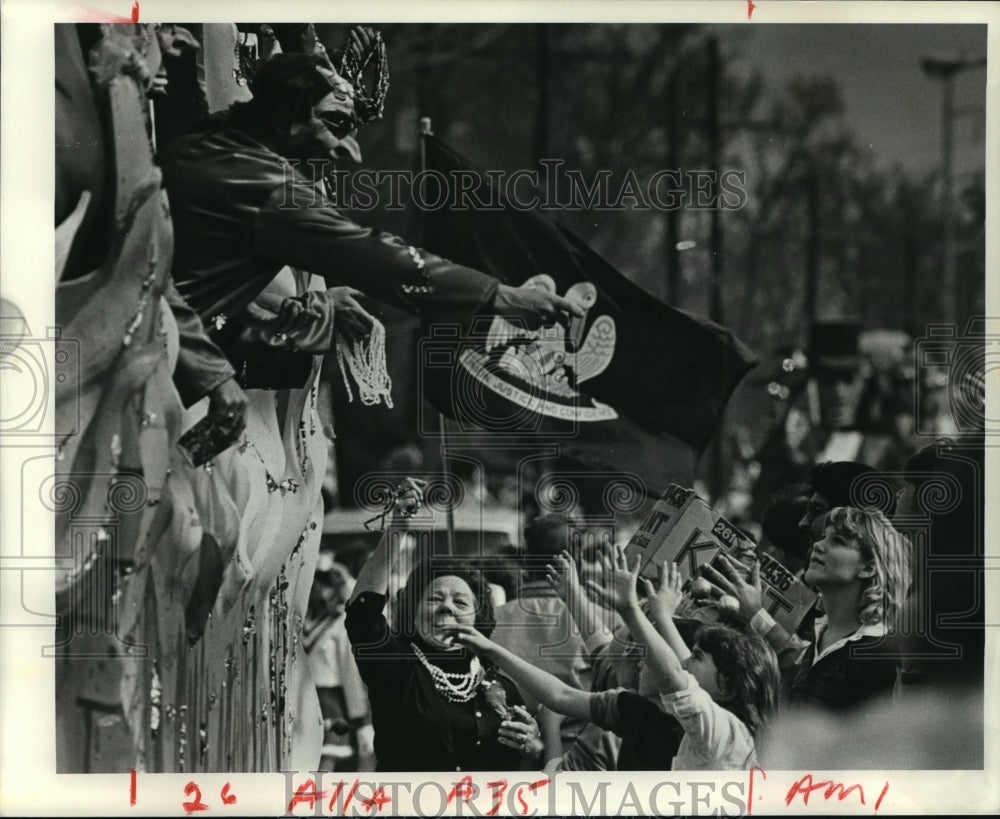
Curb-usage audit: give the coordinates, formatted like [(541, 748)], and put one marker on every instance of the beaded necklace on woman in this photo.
[(454, 687)]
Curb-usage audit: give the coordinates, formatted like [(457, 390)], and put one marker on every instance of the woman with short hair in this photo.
[(435, 705)]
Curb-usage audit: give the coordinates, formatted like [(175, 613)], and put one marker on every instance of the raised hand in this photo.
[(409, 496), (663, 601), (562, 576), (729, 581), (620, 593), (360, 41), (174, 40)]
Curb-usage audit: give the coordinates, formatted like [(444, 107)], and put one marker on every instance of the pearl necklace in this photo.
[(464, 686), (365, 360)]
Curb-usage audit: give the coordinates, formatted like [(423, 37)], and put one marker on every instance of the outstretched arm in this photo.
[(301, 228), (662, 659), (552, 692), (663, 602), (374, 575)]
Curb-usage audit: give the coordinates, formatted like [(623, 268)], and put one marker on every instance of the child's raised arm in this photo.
[(552, 692), (663, 603), (663, 660)]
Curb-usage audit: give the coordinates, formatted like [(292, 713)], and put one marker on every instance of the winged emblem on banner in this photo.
[(554, 361)]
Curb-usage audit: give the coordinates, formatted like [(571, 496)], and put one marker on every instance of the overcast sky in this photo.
[(893, 105)]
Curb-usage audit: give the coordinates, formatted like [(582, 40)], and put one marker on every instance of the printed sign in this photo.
[(683, 529)]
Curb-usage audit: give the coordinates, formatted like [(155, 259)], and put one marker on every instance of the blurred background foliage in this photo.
[(828, 231)]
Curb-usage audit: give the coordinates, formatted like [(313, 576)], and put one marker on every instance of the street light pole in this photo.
[(945, 68)]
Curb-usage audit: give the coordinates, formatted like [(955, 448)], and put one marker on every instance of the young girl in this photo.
[(721, 693)]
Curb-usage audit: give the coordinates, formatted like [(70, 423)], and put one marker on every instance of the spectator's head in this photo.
[(304, 107), (332, 586), (861, 551), (740, 672), (784, 537), (544, 539), (438, 595), (947, 478), (831, 484)]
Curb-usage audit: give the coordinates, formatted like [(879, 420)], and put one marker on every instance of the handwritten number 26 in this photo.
[(196, 803)]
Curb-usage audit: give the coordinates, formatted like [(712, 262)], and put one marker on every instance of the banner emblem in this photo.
[(542, 370)]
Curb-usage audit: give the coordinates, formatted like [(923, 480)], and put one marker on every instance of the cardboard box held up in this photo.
[(683, 529)]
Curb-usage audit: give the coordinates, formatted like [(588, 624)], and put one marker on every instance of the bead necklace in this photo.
[(464, 686), (365, 360), (368, 105)]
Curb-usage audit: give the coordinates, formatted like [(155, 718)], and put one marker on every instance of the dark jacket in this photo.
[(241, 212), (417, 729)]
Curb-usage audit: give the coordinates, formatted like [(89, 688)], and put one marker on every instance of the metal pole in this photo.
[(716, 307), (945, 67), (425, 131), (947, 249), (671, 215), (715, 150), (812, 247)]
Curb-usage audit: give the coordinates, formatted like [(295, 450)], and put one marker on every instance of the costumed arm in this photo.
[(306, 232), (300, 227), (202, 369), (201, 366)]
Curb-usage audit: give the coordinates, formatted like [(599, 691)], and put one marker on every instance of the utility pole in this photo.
[(716, 311), (944, 68)]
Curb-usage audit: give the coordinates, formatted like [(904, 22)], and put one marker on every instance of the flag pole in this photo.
[(425, 131)]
